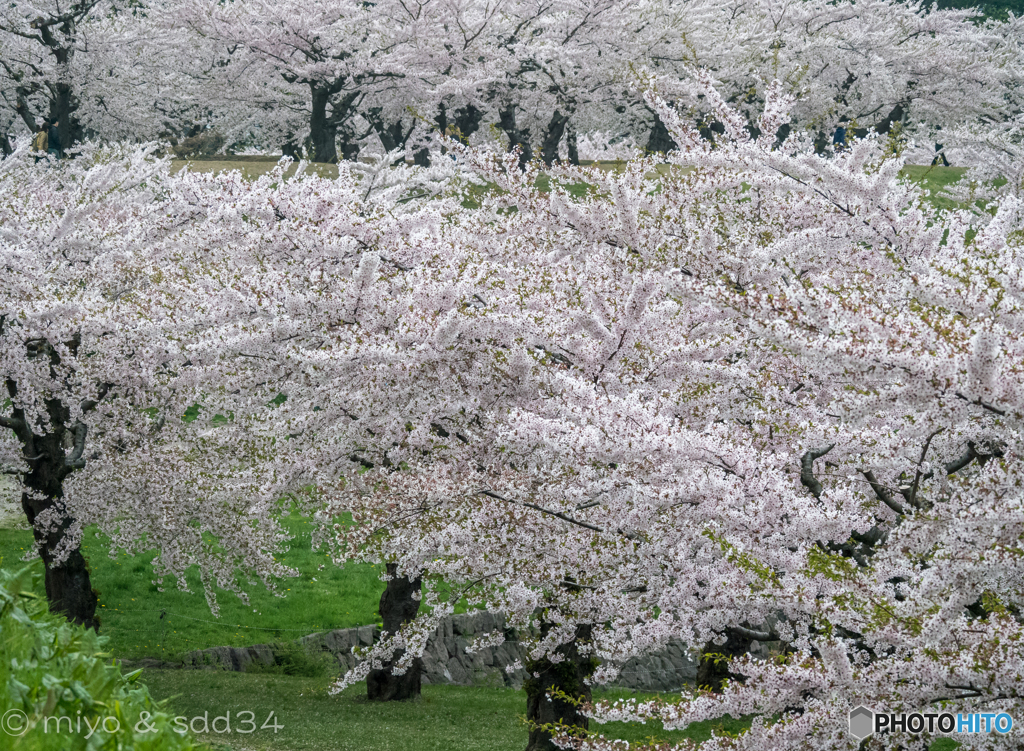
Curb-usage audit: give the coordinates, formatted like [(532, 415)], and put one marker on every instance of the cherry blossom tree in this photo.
[(706, 412), (756, 395), (40, 44)]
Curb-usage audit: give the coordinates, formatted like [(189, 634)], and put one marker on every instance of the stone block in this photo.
[(261, 654), (365, 635), (339, 640), (459, 675), (485, 622)]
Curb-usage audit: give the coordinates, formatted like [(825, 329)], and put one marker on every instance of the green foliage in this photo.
[(57, 687)]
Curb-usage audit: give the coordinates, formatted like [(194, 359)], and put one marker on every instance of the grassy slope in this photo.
[(131, 606), (446, 717)]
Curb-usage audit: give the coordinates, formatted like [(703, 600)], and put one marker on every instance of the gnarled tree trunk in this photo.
[(398, 606), (68, 588), (568, 676), (660, 141), (571, 146)]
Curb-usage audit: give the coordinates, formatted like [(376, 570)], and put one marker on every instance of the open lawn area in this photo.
[(141, 621), (934, 178), (445, 717)]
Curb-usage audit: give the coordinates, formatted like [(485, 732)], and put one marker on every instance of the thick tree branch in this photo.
[(882, 493), (11, 422), (750, 633), (807, 477)]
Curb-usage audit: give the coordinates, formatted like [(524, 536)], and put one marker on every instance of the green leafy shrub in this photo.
[(58, 692)]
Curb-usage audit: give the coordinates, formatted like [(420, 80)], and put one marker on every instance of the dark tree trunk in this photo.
[(713, 670), (660, 141), (292, 149), (323, 130), (553, 137), (573, 149), (392, 136), (397, 607), (464, 122), (782, 134), (68, 588), (895, 116), (708, 132), (569, 677), (516, 137), (69, 130)]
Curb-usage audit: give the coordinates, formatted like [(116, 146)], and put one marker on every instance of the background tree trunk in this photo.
[(570, 142), (713, 671), (516, 137), (69, 130), (397, 607), (568, 676), (553, 137), (323, 132), (660, 141)]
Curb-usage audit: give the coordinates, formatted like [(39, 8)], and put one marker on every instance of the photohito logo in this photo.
[(864, 721)]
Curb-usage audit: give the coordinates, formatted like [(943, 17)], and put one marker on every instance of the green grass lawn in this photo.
[(934, 178), (444, 718), (319, 599), (250, 166)]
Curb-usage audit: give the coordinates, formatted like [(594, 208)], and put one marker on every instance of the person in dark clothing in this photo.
[(53, 141), (839, 139), (940, 156)]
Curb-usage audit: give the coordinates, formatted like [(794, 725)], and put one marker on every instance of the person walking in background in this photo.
[(41, 140), (53, 141), (839, 138)]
